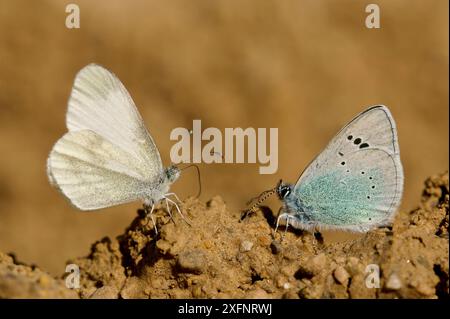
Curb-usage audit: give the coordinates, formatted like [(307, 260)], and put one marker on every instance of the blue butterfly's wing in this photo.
[(356, 183)]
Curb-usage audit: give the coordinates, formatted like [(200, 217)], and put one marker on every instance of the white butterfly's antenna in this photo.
[(198, 175)]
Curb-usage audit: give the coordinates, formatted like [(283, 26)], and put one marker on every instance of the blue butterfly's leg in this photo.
[(314, 241), (281, 214), (278, 222), (287, 226)]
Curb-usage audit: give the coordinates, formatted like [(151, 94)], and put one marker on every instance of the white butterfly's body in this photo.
[(107, 157), (355, 184)]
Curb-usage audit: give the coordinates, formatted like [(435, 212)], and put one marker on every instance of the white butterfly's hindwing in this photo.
[(356, 183), (99, 102), (92, 172)]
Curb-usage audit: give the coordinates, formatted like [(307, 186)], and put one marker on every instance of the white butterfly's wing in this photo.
[(356, 183), (94, 173), (99, 102)]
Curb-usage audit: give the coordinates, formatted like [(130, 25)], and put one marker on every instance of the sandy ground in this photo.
[(220, 256)]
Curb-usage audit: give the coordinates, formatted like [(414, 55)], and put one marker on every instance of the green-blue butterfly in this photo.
[(355, 184)]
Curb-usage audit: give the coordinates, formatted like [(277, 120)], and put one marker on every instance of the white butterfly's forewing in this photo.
[(92, 172), (342, 174), (99, 102)]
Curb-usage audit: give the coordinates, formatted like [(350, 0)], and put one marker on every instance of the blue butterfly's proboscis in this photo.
[(355, 184)]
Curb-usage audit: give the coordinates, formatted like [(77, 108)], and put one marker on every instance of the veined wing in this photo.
[(94, 173), (99, 102), (359, 168)]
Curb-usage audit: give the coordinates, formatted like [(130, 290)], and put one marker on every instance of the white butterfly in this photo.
[(107, 157)]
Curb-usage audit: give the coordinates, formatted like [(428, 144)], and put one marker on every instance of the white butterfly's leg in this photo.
[(174, 195), (150, 213), (169, 210), (179, 211)]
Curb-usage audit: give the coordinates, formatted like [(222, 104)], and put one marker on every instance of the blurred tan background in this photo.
[(306, 67)]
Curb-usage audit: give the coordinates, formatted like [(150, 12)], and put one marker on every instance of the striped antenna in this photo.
[(258, 201)]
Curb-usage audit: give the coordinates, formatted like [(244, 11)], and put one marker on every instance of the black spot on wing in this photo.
[(363, 145)]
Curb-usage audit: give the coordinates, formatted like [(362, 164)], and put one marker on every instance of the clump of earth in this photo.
[(221, 256)]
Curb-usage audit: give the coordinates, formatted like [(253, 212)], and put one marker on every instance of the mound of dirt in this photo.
[(220, 256), (22, 281)]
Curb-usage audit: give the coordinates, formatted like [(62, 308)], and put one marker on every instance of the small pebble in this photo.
[(393, 282), (319, 261), (192, 262), (290, 294), (246, 245), (341, 275), (425, 289), (163, 246), (105, 292), (216, 202), (312, 267), (197, 292), (353, 261), (258, 293), (275, 246), (44, 281)]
